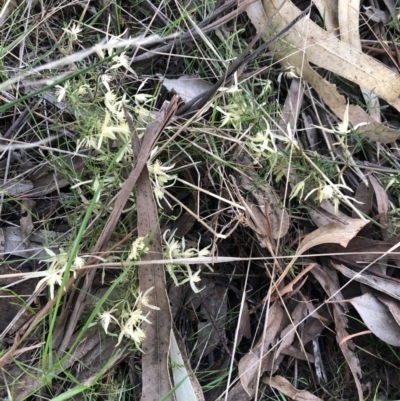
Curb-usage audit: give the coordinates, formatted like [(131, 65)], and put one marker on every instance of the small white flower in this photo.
[(108, 131), (51, 277), (54, 273), (61, 91), (130, 328), (290, 72), (171, 271), (83, 89), (136, 316), (142, 98), (298, 189), (79, 262), (105, 79), (138, 247), (263, 141), (73, 32), (192, 279), (173, 248), (143, 300), (106, 318), (137, 335), (109, 101), (122, 61), (342, 128)]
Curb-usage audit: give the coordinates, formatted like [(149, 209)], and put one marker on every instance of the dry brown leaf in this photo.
[(17, 187), (336, 233), (244, 324), (290, 286), (360, 250), (377, 15), (294, 352), (267, 202), (328, 9), (364, 194), (330, 283), (383, 204), (284, 386), (382, 199), (236, 393), (214, 309), (155, 371), (326, 51), (316, 323), (156, 380), (307, 43), (392, 305), (253, 364), (289, 332), (391, 7), (325, 214), (377, 318), (350, 34), (390, 287), (331, 233)]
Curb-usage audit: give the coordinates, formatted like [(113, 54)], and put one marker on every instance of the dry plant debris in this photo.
[(199, 200)]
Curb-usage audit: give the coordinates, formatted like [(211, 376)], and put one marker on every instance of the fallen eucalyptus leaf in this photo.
[(307, 43), (187, 86), (377, 318)]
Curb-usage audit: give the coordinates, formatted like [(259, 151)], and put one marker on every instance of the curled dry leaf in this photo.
[(331, 233), (380, 284), (336, 233), (289, 332), (361, 250), (383, 204), (378, 318), (284, 386), (381, 195), (277, 220), (325, 214)]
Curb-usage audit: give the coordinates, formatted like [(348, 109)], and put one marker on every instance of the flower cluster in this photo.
[(138, 247), (113, 124), (56, 269), (159, 176), (330, 192), (130, 318), (174, 249)]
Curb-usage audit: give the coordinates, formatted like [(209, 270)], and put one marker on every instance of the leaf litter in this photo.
[(297, 209)]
